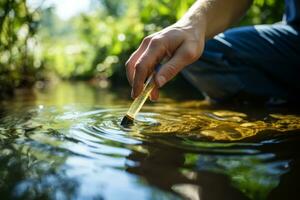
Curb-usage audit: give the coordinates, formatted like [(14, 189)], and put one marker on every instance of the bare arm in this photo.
[(215, 15), (183, 42)]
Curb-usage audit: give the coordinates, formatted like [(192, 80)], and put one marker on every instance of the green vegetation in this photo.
[(18, 61), (36, 43)]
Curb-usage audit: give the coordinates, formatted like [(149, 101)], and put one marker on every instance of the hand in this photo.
[(182, 43)]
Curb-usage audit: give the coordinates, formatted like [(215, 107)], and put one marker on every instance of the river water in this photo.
[(65, 142)]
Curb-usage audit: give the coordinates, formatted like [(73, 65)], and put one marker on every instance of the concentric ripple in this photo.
[(88, 146), (211, 125), (195, 129)]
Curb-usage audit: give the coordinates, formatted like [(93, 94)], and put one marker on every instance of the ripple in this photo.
[(213, 125), (84, 142), (193, 129), (179, 127)]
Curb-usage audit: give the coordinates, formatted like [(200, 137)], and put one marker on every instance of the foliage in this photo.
[(99, 42), (18, 25), (93, 44), (264, 12)]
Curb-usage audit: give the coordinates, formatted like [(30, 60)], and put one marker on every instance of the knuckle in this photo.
[(155, 43), (146, 40), (139, 69), (191, 54)]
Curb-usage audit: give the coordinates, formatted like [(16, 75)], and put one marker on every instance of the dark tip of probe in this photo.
[(127, 121)]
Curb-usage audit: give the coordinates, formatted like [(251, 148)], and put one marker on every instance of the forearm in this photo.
[(214, 16)]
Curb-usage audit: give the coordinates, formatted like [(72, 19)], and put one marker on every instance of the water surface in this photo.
[(65, 142)]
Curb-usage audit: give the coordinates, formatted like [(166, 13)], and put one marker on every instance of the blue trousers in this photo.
[(259, 62)]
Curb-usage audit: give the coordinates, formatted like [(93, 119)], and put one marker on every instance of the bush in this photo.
[(94, 44), (18, 64)]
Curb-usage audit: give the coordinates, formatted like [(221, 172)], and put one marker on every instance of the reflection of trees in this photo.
[(29, 168), (287, 148), (25, 175), (288, 187), (217, 176), (166, 168)]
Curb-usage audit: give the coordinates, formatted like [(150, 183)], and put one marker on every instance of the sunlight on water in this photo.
[(54, 149), (218, 125)]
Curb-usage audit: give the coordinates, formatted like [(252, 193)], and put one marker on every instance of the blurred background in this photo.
[(45, 41)]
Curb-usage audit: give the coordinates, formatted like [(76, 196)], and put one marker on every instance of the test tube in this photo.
[(138, 102)]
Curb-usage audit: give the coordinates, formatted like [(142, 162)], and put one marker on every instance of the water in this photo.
[(65, 142)]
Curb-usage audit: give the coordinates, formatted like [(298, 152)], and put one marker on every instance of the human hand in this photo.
[(182, 43)]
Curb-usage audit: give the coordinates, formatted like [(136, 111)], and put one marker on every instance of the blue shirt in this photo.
[(292, 12)]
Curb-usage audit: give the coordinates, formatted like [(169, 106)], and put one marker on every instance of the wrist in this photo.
[(195, 19), (194, 24)]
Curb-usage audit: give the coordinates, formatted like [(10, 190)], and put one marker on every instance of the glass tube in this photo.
[(138, 103)]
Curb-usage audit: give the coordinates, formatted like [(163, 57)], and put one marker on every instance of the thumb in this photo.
[(183, 56)]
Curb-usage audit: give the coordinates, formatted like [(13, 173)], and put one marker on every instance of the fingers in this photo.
[(145, 64), (141, 72), (184, 55), (183, 47), (154, 94), (131, 62)]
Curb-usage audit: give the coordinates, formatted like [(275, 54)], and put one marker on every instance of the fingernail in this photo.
[(132, 94), (161, 81)]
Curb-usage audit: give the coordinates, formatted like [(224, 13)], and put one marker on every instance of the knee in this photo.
[(216, 51), (218, 44), (211, 82)]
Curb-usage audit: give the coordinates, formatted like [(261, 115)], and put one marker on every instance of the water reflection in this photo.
[(70, 147)]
